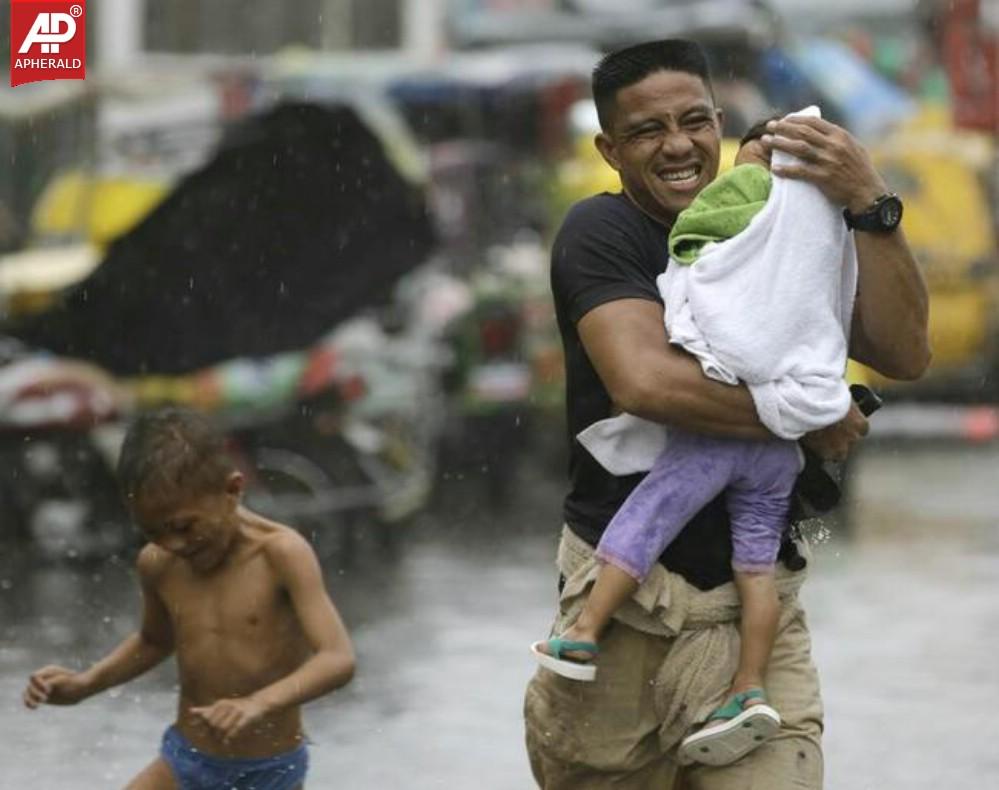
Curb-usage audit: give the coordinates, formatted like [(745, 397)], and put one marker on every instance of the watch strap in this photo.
[(870, 218)]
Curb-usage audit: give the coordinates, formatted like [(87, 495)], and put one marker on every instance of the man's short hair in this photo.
[(173, 452), (625, 67)]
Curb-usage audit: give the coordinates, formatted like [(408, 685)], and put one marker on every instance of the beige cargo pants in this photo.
[(665, 663)]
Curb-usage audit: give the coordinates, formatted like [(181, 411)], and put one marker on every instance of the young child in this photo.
[(241, 601), (691, 470)]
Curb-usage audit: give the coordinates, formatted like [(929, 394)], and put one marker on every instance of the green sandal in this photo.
[(572, 668), (745, 727), (737, 704)]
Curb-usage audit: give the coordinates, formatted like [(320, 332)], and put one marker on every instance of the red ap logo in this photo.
[(47, 41)]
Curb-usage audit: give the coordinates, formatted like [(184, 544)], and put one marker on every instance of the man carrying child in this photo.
[(669, 655)]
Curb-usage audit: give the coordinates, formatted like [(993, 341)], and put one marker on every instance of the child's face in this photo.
[(199, 529), (753, 153)]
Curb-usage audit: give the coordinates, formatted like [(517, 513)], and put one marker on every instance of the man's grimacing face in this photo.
[(665, 141)]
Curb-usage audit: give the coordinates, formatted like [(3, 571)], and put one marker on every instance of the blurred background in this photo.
[(326, 224)]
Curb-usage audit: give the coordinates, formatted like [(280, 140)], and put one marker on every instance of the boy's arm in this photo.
[(136, 655), (332, 662)]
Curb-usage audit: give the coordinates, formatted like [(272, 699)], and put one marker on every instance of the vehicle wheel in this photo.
[(295, 490)]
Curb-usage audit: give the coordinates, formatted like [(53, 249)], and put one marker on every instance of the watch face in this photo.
[(890, 212)]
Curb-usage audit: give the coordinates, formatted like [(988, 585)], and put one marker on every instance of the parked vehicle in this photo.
[(491, 383), (355, 452), (58, 426), (336, 440)]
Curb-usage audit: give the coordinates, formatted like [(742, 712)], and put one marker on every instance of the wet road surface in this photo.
[(903, 613)]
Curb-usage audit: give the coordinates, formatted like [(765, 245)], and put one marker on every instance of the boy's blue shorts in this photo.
[(194, 770)]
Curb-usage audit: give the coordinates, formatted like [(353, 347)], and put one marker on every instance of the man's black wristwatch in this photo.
[(882, 217)]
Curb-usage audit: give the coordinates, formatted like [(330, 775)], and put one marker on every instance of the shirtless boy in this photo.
[(239, 598)]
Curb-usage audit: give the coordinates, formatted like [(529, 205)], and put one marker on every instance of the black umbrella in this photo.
[(297, 222)]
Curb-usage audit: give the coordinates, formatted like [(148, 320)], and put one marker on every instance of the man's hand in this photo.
[(832, 160), (229, 717), (835, 442), (54, 685)]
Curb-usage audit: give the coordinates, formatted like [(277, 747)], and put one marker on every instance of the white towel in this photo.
[(771, 307), (625, 444)]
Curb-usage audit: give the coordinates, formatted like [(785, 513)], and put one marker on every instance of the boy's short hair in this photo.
[(625, 67), (173, 451)]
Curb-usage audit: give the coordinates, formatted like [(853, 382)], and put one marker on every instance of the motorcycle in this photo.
[(356, 457), (59, 427)]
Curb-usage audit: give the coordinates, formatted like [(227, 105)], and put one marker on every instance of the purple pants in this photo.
[(757, 478)]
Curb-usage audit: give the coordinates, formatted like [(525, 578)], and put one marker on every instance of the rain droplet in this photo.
[(6, 584)]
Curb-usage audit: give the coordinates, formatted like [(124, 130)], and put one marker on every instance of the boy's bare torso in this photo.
[(235, 632)]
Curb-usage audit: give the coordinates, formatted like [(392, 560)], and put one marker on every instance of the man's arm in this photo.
[(890, 320), (137, 654), (889, 331), (645, 375), (330, 666)]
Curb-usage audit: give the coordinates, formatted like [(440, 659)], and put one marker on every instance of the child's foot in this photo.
[(732, 731), (570, 655)]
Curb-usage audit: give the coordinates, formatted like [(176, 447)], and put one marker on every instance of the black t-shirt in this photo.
[(608, 249)]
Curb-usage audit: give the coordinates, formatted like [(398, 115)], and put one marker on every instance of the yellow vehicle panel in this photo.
[(941, 175), (946, 216), (99, 208), (959, 323)]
